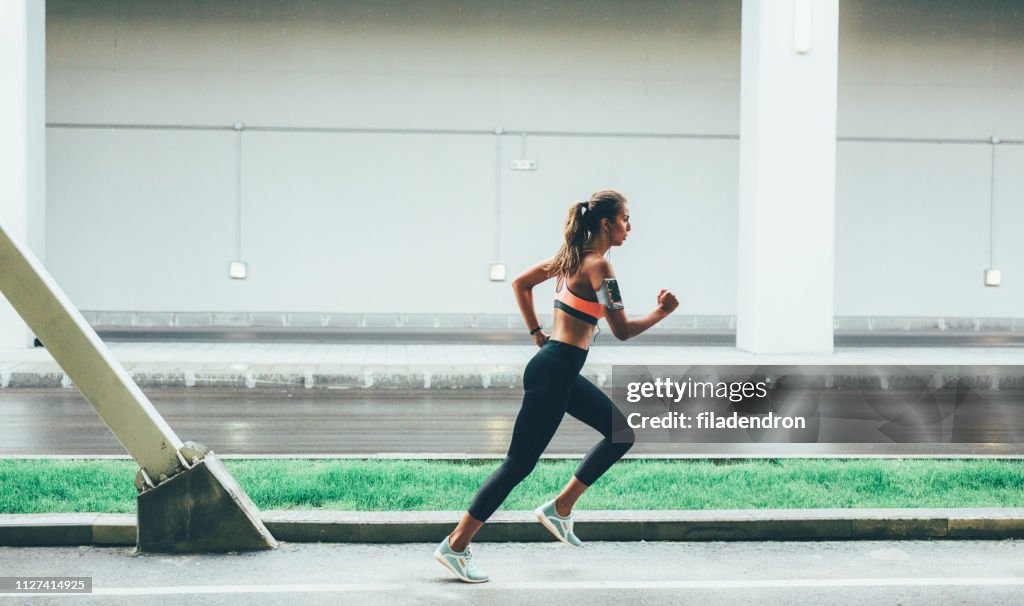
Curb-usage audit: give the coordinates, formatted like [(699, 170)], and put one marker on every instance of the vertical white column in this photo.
[(22, 139), (789, 67)]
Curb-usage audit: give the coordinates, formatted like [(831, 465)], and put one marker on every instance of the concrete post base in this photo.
[(202, 509)]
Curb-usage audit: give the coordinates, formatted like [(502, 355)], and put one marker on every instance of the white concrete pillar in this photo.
[(789, 66), (22, 139)]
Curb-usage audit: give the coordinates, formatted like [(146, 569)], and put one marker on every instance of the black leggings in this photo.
[(553, 387)]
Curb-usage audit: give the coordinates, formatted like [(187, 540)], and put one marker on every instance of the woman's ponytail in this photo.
[(582, 220)]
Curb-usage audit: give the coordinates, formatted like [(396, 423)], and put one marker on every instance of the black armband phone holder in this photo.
[(609, 295)]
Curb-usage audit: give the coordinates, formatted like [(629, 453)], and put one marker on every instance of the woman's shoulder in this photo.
[(593, 268), (594, 263)]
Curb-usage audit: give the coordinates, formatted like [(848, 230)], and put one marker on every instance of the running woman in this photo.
[(586, 290)]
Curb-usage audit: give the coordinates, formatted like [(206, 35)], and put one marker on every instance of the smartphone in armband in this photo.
[(608, 295)]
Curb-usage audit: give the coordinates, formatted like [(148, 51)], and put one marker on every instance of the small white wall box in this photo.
[(238, 270), (524, 164), (993, 277), (498, 272)]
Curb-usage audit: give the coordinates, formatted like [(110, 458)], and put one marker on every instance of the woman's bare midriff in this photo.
[(573, 331), (566, 328)]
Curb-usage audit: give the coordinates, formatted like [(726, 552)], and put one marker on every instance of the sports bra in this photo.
[(588, 310)]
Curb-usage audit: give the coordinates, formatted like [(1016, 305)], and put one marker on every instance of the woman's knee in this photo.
[(624, 435), (517, 468), (624, 439)]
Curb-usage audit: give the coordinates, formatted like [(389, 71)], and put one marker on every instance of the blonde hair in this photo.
[(581, 223)]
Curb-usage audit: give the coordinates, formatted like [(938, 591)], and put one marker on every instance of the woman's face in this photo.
[(619, 229)]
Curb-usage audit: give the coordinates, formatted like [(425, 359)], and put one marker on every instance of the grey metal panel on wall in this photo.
[(630, 66), (915, 230), (931, 68), (385, 222), (141, 219)]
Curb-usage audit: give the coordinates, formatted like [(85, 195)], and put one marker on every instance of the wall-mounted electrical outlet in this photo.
[(238, 270), (498, 272)]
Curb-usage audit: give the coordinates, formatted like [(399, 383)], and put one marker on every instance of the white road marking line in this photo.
[(443, 456), (567, 585)]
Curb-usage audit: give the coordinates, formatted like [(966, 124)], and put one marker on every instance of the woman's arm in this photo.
[(523, 288), (624, 327)]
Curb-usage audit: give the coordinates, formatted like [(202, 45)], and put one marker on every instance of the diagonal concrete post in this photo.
[(188, 501)]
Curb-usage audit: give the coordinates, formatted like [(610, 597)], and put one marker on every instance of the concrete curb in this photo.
[(496, 378), (521, 526), (355, 379), (353, 321)]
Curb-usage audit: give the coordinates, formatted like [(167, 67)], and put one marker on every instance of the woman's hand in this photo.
[(539, 338), (625, 328), (667, 302)]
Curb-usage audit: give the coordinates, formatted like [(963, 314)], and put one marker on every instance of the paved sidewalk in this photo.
[(522, 526), (713, 573), (440, 366)]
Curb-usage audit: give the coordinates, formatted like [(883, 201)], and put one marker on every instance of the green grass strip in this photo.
[(52, 486)]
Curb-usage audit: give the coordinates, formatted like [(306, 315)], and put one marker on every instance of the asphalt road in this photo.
[(783, 573), (311, 422)]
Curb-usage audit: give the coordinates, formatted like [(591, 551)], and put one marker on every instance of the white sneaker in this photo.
[(459, 562), (559, 526)]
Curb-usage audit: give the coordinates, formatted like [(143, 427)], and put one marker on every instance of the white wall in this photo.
[(912, 219), (340, 221)]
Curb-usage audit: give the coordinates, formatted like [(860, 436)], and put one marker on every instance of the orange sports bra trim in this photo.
[(576, 306)]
